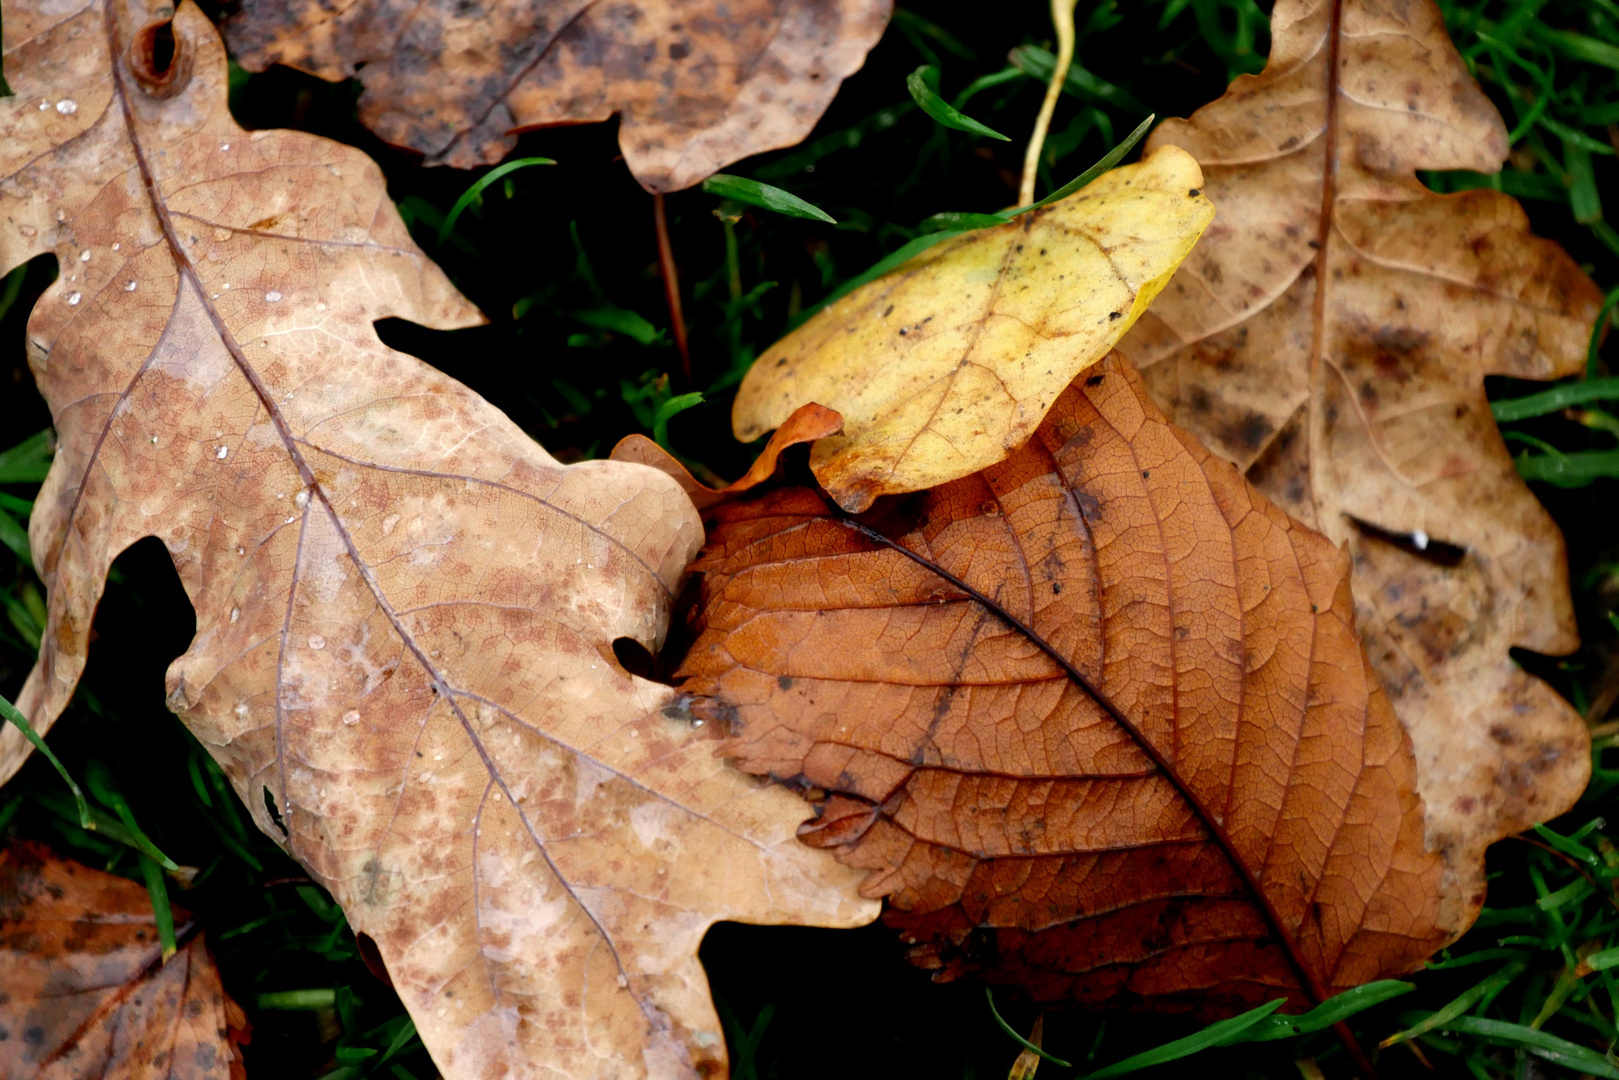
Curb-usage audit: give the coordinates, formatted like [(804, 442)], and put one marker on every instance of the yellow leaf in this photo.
[(947, 365)]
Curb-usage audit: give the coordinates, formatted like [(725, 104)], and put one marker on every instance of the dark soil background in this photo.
[(552, 242)]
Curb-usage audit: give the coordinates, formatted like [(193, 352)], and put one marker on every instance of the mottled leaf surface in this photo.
[(697, 84), (1096, 718), (1331, 335), (88, 993), (947, 364), (405, 608)]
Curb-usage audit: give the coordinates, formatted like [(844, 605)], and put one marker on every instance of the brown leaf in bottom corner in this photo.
[(1096, 718), (88, 994), (1331, 336)]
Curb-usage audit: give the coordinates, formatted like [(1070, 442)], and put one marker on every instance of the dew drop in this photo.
[(220, 453), (241, 550), (622, 981), (115, 247), (67, 106), (1419, 540), (316, 642), (226, 285), (290, 520), (241, 708), (61, 215), (129, 286), (351, 717), (235, 613), (224, 146), (44, 105), (84, 256), (272, 296), (73, 298), (302, 499), (154, 440)]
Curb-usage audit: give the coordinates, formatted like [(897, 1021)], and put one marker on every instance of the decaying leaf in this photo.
[(88, 994), (405, 608), (807, 424), (697, 84), (946, 365), (1331, 335), (1096, 718)]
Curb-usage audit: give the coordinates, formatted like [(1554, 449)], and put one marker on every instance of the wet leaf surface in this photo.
[(1331, 335), (405, 608), (1096, 719)]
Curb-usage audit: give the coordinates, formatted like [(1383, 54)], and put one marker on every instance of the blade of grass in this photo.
[(1458, 1005), (1542, 1045), (158, 890), (923, 83), (1570, 470), (753, 193), (475, 192), (99, 779), (1556, 399), (1214, 1035), (989, 995), (28, 461), (1334, 1010), (8, 711)]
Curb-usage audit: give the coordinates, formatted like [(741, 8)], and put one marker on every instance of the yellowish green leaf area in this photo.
[(947, 365)]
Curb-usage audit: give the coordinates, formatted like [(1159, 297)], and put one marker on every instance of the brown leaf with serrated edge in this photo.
[(88, 994), (405, 608), (1331, 335), (697, 84), (1096, 719)]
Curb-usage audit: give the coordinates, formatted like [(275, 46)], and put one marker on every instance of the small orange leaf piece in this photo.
[(1096, 719), (697, 84), (88, 995), (1331, 336)]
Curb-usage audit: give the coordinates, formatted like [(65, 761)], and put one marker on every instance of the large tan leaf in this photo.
[(697, 84), (89, 994), (1096, 718), (1331, 335), (405, 608), (946, 365)]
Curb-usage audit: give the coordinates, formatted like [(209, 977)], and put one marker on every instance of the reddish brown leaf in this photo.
[(1331, 335), (88, 995), (697, 84), (1096, 718)]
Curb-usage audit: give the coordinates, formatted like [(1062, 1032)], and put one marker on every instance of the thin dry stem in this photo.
[(671, 284), (1062, 15)]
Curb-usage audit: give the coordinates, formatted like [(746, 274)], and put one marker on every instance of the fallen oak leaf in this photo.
[(405, 608), (946, 365), (1095, 718), (88, 992), (697, 84), (1331, 336)]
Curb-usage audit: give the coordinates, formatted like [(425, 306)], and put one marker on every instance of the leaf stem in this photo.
[(1062, 15), (671, 284)]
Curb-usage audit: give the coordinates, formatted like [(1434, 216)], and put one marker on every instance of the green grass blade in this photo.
[(158, 890), (299, 1000), (905, 254), (1570, 470), (11, 287), (1556, 399), (1548, 1047), (1110, 159), (1332, 1011), (1216, 1034), (666, 411), (989, 995), (620, 321), (8, 711), (986, 82), (15, 537), (28, 461), (752, 192), (1488, 986), (923, 84), (475, 192), (105, 789)]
